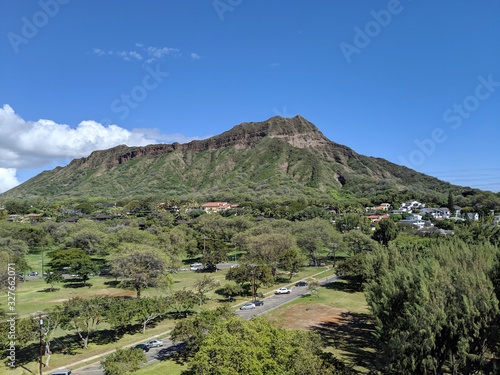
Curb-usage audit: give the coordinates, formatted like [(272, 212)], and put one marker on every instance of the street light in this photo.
[(194, 295)]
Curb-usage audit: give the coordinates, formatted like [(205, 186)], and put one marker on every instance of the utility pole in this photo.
[(253, 279), (204, 247), (41, 342), (253, 284), (42, 261)]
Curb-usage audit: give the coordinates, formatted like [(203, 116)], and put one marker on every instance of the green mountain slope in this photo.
[(285, 157)]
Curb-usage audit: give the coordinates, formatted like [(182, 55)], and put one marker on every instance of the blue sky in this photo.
[(414, 82)]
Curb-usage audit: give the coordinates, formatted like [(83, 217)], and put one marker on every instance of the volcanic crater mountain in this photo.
[(285, 157)]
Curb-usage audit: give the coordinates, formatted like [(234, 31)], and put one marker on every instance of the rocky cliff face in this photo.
[(296, 131), (280, 157)]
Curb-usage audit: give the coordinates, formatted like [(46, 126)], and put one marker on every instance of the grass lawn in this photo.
[(341, 316), (34, 295), (168, 366)]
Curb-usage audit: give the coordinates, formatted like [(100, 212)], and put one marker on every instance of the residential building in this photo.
[(217, 206)]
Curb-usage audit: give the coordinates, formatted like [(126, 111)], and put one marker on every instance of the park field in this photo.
[(340, 314), (34, 295)]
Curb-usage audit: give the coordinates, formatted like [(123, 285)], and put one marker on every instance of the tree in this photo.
[(357, 242), (51, 323), (123, 361), (271, 248), (63, 258), (311, 213), (192, 330), (119, 313), (84, 316), (237, 346), (33, 236), (142, 266), (84, 267), (148, 309), (214, 252), (204, 285), (386, 232), (352, 221), (313, 286), (433, 309), (182, 301), (54, 278), (292, 261), (84, 208), (248, 274), (451, 203), (313, 236)]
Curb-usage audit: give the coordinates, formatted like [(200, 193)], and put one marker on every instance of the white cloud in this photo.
[(169, 138), (8, 179), (37, 144), (152, 53), (195, 56)]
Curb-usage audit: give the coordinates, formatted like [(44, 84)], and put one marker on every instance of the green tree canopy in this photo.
[(433, 308), (142, 266), (123, 361), (237, 346)]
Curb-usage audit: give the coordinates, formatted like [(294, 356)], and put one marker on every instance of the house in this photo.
[(415, 221), (73, 219), (217, 206), (373, 218), (15, 218), (410, 206), (381, 207), (437, 213), (471, 216), (33, 217)]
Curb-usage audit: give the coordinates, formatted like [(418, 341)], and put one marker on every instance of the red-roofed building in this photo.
[(217, 206)]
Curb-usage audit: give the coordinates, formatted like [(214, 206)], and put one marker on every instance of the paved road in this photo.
[(153, 355), (270, 303)]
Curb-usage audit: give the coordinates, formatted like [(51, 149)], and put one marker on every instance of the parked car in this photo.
[(143, 347), (248, 306), (61, 372), (34, 273), (259, 303), (283, 291), (154, 343), (301, 283)]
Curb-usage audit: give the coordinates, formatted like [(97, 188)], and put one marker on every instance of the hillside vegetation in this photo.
[(280, 157)]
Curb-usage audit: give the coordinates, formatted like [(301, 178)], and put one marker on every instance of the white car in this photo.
[(283, 291), (155, 343), (248, 306)]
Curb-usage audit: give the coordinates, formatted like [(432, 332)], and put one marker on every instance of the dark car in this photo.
[(258, 303), (301, 283), (144, 347)]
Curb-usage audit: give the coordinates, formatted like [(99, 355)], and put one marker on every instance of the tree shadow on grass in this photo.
[(48, 290), (112, 282), (77, 284), (348, 284), (353, 334)]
